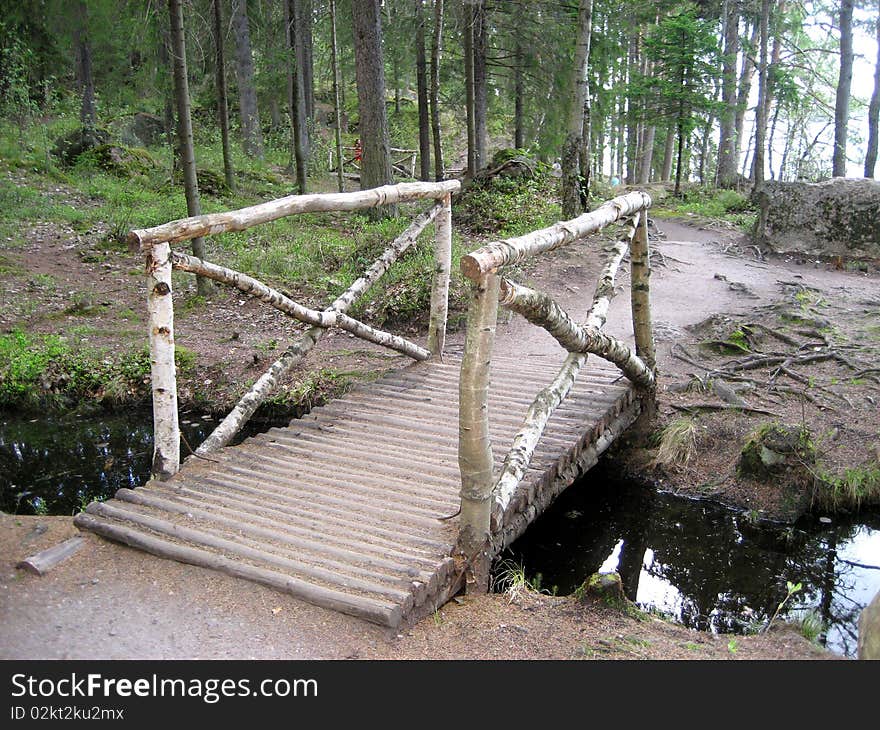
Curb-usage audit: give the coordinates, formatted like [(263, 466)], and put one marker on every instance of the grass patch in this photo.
[(710, 204), (50, 371), (678, 441)]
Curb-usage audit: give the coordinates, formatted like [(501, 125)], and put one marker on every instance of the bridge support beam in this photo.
[(442, 271), (474, 447), (643, 328), (166, 447)]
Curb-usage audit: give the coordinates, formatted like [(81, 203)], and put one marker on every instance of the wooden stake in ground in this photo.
[(474, 447)]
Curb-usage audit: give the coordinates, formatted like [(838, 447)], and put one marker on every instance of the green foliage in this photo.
[(710, 204), (49, 370), (508, 206)]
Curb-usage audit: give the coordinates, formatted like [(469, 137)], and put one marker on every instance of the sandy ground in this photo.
[(109, 601)]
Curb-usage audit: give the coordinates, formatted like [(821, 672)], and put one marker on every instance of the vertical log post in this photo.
[(640, 291), (442, 270), (166, 430), (474, 447)]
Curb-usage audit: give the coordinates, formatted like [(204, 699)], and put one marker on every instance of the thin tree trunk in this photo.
[(874, 111), (761, 109), (422, 86), (481, 85), (468, 46), (296, 95), (572, 193), (436, 53), (742, 97), (184, 132), (337, 102), (647, 155), (519, 136), (727, 146), (844, 84), (222, 104), (247, 93), (370, 76), (83, 50), (308, 67), (668, 151), (632, 117)]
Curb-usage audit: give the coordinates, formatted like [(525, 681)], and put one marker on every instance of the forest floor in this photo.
[(110, 601)]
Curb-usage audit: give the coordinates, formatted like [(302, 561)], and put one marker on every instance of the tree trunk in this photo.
[(370, 77), (184, 132), (222, 104), (83, 50), (422, 86), (247, 93), (844, 84), (874, 111), (337, 102), (519, 136), (743, 93), (632, 117), (647, 155), (296, 93), (308, 66), (668, 150), (468, 46), (481, 85), (573, 192), (436, 52), (761, 108), (727, 146)]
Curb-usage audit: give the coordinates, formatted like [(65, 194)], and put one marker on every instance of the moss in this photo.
[(774, 448)]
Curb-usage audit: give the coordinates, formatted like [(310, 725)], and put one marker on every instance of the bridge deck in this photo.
[(341, 507)]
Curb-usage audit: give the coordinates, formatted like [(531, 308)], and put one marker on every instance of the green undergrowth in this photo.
[(506, 206), (40, 371), (706, 204)]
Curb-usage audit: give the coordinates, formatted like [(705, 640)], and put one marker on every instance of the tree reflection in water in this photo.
[(55, 466), (707, 567)]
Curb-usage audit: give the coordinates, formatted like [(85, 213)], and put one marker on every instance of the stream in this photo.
[(703, 565), (700, 564)]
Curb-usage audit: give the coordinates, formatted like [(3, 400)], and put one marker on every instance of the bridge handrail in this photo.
[(155, 244), (484, 495)]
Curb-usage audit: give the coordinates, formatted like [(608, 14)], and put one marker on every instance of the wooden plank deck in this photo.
[(342, 508)]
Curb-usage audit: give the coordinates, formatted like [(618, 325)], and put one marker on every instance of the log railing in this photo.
[(155, 244), (485, 495)]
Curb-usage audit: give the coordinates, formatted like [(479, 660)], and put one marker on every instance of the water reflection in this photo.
[(56, 466), (708, 567)]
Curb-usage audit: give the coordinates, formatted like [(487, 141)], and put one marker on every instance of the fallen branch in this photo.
[(690, 408)]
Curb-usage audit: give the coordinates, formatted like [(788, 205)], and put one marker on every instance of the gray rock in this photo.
[(838, 217)]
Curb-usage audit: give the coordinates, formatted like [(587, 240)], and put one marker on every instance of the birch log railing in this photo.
[(486, 495), (155, 244)]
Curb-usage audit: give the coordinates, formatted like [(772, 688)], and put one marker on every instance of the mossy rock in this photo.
[(211, 182), (604, 587), (68, 147), (776, 448), (121, 161)]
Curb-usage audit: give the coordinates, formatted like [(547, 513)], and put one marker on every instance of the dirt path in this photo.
[(110, 601)]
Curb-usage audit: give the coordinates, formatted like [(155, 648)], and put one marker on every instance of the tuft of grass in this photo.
[(678, 441), (510, 579), (810, 625)]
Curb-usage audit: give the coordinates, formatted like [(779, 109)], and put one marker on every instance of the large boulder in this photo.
[(838, 217)]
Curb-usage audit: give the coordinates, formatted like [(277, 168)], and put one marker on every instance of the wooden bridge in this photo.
[(386, 502)]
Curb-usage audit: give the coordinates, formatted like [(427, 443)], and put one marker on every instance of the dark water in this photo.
[(57, 466), (705, 566)]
